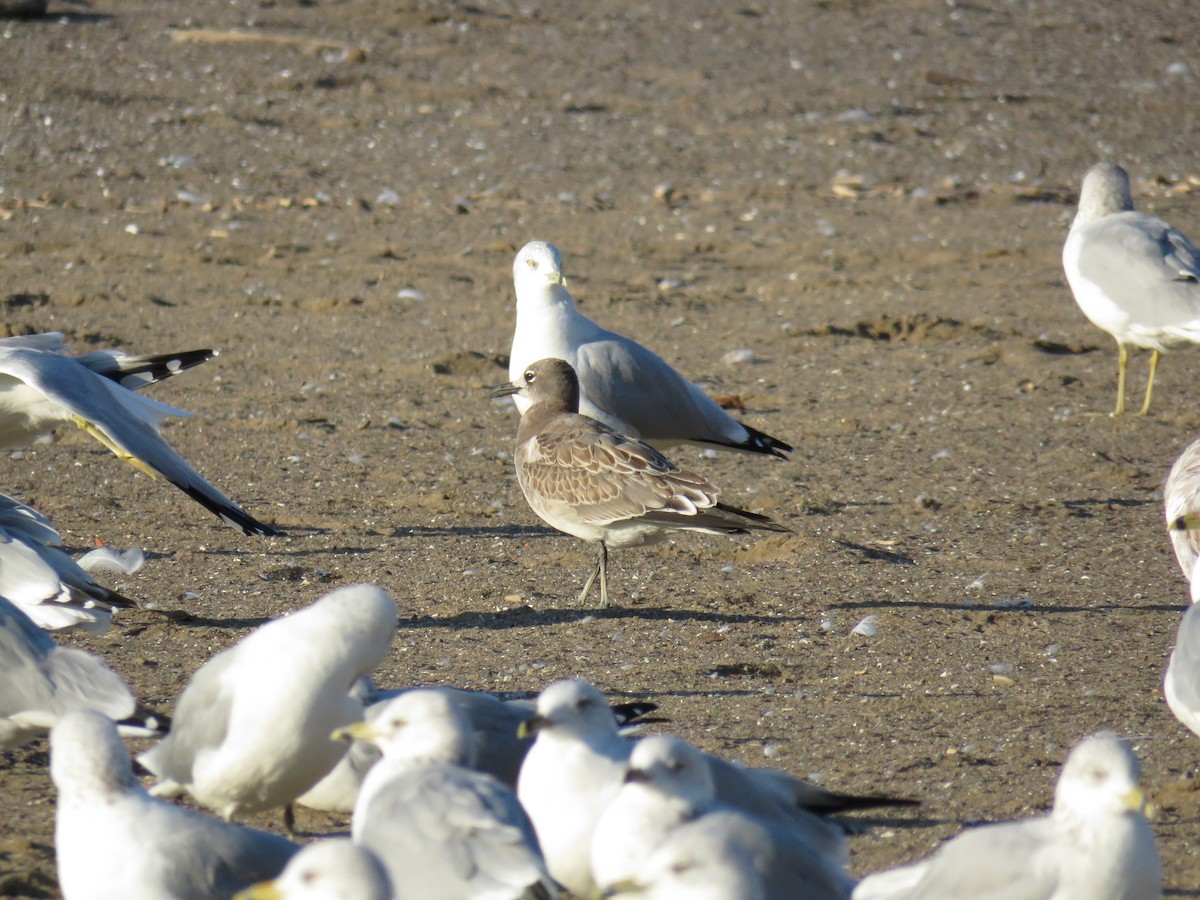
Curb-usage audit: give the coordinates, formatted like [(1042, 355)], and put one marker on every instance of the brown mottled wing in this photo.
[(605, 476)]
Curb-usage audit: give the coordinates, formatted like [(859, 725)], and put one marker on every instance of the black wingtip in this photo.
[(839, 803), (146, 722), (756, 442), (138, 371), (232, 515), (633, 712)]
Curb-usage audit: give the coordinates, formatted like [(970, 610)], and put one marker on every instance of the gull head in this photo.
[(87, 757), (538, 265), (548, 381), (672, 767), (326, 870), (1105, 190), (1099, 778), (421, 725), (572, 708)]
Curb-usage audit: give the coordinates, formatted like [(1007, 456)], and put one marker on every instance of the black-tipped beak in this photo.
[(505, 390), (635, 776), (530, 727)]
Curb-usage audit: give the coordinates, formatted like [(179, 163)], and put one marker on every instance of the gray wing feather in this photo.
[(201, 722)]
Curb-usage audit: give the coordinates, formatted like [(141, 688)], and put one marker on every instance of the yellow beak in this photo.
[(1135, 800), (264, 890), (359, 731)]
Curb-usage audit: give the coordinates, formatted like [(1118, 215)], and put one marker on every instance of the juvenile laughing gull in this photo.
[(112, 839), (623, 385), (41, 388), (588, 480), (252, 726), (40, 682), (45, 582), (1096, 843), (1132, 274), (441, 828)]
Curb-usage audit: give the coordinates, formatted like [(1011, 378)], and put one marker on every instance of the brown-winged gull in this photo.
[(41, 388), (583, 478), (1094, 845), (41, 681), (441, 828), (623, 385), (1132, 274), (112, 839), (252, 727), (334, 869)]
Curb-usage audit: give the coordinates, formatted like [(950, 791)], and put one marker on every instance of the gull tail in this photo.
[(144, 723), (136, 372)]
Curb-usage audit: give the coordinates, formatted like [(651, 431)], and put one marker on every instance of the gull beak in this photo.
[(619, 888), (635, 776), (1187, 522), (530, 727), (505, 390), (264, 890), (555, 276), (359, 731), (1135, 800)]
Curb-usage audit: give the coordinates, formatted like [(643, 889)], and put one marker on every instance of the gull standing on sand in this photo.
[(623, 385), (579, 759), (440, 828), (41, 388), (335, 869), (112, 839), (587, 480), (1181, 503), (1094, 845), (41, 681), (1132, 274), (252, 727), (668, 787), (45, 582)]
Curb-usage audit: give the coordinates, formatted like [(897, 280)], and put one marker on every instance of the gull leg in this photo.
[(118, 452), (1122, 362), (1150, 383), (600, 570), (289, 821)]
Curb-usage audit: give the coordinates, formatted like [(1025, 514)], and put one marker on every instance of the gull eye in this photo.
[(308, 876), (532, 263), (530, 376)]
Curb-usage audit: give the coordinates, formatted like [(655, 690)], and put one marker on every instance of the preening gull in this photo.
[(41, 681), (583, 478), (112, 839), (252, 727), (624, 385), (1094, 845), (698, 865), (1132, 274), (42, 388)]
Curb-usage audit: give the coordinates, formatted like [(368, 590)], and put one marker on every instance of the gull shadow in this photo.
[(516, 531), (877, 553), (191, 620), (1008, 608), (527, 617)]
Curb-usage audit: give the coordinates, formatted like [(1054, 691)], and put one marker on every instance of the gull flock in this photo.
[(458, 794)]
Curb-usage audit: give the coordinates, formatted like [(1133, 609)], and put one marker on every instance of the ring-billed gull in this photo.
[(252, 727), (698, 865), (624, 385), (587, 480), (1094, 845), (440, 828), (494, 722), (578, 763), (43, 580), (41, 389), (1181, 503), (668, 786), (336, 869), (1132, 274), (41, 681), (112, 839)]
